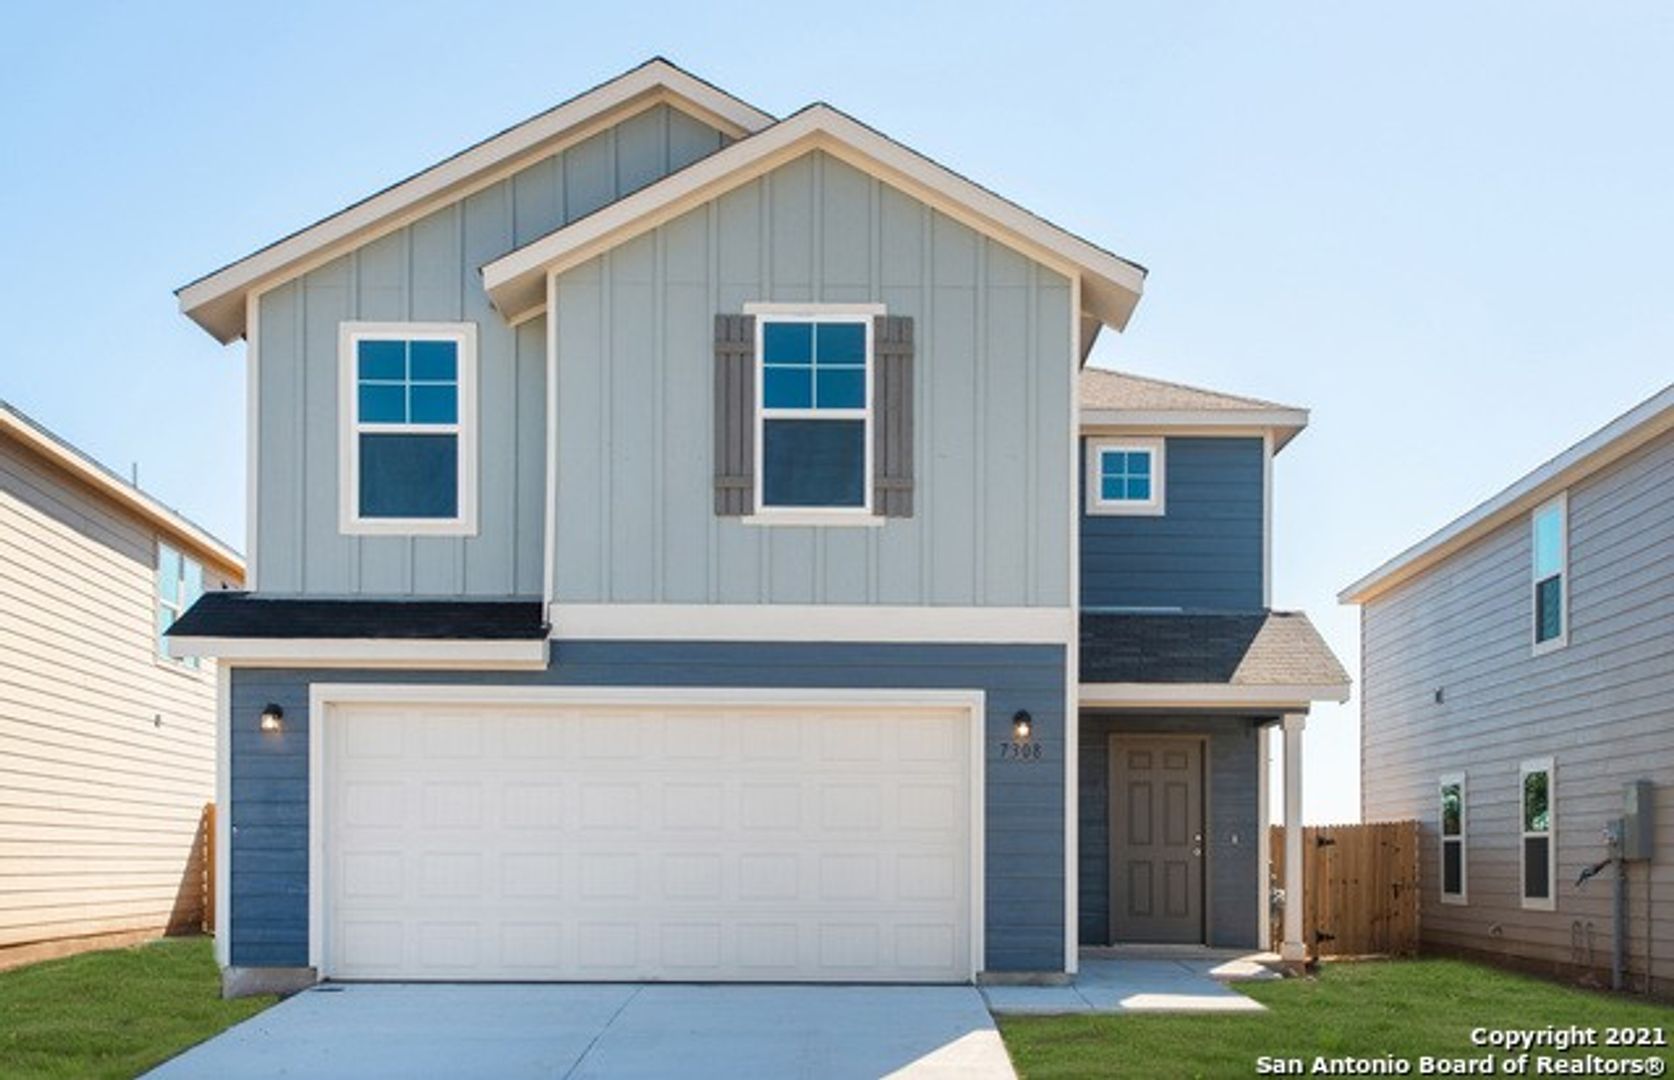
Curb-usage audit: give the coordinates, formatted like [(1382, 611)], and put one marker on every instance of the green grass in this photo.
[(115, 1013), (1405, 1008)]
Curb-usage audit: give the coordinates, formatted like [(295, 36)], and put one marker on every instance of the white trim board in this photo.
[(812, 622), (321, 696), (1210, 695), (1611, 443), (216, 301), (365, 652), (1282, 424), (1111, 285)]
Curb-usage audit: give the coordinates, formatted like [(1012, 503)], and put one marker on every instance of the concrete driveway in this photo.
[(514, 1031)]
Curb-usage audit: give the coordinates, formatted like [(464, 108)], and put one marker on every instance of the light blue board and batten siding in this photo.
[(992, 415), (1024, 845), (429, 271), (1204, 551)]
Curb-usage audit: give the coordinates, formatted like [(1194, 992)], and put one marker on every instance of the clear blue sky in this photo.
[(1448, 229)]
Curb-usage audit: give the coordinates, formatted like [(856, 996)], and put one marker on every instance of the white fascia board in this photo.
[(1283, 424), (1633, 429), (1210, 695), (216, 301), (1111, 286), (363, 652), (812, 623), (128, 498)]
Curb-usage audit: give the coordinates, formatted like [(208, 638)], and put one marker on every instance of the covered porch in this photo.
[(1181, 715)]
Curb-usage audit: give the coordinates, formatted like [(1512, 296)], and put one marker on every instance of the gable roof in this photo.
[(20, 428), (1119, 399), (1110, 285), (1648, 420), (217, 301)]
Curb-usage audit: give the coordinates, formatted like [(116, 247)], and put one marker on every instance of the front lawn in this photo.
[(1407, 1009), (115, 1013)]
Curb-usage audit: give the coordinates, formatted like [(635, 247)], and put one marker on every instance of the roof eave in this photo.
[(1111, 286), (1283, 424), (1263, 696), (1633, 429)]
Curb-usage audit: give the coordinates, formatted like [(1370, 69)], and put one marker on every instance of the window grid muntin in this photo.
[(765, 413), (176, 592), (1126, 477)]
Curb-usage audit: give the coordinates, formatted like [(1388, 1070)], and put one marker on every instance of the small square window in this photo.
[(1125, 476), (409, 453)]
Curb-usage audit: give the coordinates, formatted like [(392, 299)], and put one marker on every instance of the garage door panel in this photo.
[(697, 844)]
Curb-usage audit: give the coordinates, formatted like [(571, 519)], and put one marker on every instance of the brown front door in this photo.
[(1156, 835)]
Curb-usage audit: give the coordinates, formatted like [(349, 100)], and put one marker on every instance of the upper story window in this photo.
[(1550, 574), (1540, 869), (814, 423), (1453, 839), (1125, 476), (408, 406), (179, 584)]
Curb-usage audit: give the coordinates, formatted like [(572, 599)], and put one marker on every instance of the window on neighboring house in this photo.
[(1453, 839), (1125, 476), (179, 584), (408, 406), (1550, 539), (814, 440), (1540, 872)]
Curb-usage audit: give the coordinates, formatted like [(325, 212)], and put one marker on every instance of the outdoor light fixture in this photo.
[(1022, 725), (273, 719)]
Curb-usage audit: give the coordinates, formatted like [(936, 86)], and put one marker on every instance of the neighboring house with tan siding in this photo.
[(1518, 672), (107, 746)]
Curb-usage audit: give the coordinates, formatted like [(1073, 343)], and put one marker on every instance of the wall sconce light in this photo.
[(273, 719), (1022, 725)]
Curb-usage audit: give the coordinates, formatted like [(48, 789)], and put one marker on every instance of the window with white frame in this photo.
[(1453, 830), (814, 424), (1536, 788), (179, 584), (1125, 476), (1549, 528), (408, 407)]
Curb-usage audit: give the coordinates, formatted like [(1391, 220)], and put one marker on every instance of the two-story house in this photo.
[(684, 546), (1518, 664)]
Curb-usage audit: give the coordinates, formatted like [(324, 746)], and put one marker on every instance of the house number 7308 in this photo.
[(1011, 750)]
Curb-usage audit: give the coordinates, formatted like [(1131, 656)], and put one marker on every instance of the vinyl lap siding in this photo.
[(993, 361), (1204, 551), (427, 271), (1600, 707), (1025, 801), (101, 803)]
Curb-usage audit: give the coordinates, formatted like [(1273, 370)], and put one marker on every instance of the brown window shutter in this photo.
[(735, 414), (892, 424)]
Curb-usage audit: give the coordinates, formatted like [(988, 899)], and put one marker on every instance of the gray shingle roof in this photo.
[(1101, 389), (1258, 648), (232, 614)]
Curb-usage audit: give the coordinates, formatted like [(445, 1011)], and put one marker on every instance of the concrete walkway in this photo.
[(575, 1031), (1139, 980)]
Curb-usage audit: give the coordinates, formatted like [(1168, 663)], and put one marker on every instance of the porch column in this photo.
[(1294, 949)]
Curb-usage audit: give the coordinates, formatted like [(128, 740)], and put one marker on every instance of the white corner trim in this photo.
[(323, 696), (1072, 660), (1267, 452), (812, 622), (1099, 506), (349, 428), (212, 301), (365, 652), (252, 436), (1114, 283), (223, 815), (1210, 695)]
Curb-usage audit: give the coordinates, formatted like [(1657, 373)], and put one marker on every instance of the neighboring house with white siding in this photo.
[(1517, 673), (107, 745)]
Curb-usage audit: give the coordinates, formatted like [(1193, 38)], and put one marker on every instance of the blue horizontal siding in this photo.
[(1232, 904), (1203, 552), (1024, 847)]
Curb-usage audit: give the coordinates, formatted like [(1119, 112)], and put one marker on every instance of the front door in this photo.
[(1156, 831)]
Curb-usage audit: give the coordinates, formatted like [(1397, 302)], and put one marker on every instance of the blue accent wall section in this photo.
[(1232, 881), (1025, 800), (1203, 552)]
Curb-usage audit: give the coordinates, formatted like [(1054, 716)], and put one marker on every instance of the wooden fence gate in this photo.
[(1359, 888)]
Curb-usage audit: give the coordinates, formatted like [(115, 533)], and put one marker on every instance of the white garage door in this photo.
[(626, 843)]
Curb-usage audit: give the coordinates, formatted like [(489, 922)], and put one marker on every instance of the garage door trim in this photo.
[(322, 696)]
